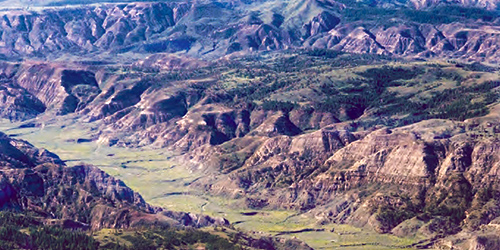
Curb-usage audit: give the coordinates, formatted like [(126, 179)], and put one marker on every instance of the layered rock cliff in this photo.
[(212, 30), (319, 127), (35, 180)]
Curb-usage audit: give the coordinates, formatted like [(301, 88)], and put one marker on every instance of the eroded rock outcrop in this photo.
[(61, 90), (182, 28), (38, 181), (17, 103), (386, 179)]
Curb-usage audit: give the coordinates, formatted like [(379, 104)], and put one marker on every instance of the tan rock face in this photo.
[(278, 124), (264, 156), (62, 90), (361, 41), (360, 178), (456, 40), (302, 159), (403, 156), (17, 103)]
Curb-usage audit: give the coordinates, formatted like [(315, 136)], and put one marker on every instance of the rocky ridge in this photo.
[(212, 30), (349, 163), (35, 180), (37, 183)]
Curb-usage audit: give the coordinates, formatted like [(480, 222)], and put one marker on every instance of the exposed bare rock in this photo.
[(425, 4), (360, 40), (119, 102), (214, 125), (106, 26), (276, 162), (214, 30), (435, 163), (488, 4), (408, 228), (451, 40), (17, 103), (278, 124), (323, 22), (310, 119), (81, 87), (402, 40), (432, 178), (61, 90), (36, 180)]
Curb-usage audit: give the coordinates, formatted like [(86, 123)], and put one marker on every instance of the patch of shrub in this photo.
[(279, 106), (391, 217)]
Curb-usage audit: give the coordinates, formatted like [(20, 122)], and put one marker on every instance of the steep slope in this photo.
[(488, 4), (423, 4), (339, 123), (17, 103), (363, 171), (34, 180), (62, 91), (433, 179), (39, 194), (212, 30)]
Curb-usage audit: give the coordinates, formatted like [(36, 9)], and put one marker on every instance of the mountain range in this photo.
[(379, 114), (211, 30)]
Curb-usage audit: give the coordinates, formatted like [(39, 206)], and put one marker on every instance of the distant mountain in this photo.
[(425, 4), (486, 4), (212, 29)]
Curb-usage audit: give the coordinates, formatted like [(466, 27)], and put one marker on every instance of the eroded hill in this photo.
[(375, 114), (46, 204), (408, 147), (214, 29)]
